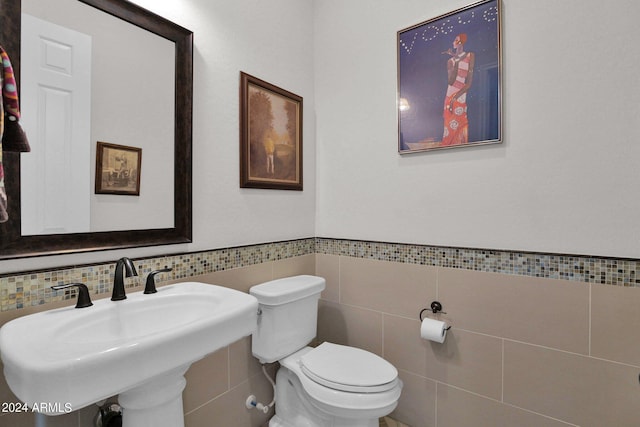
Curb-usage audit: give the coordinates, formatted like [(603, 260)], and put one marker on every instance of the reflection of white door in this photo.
[(56, 115)]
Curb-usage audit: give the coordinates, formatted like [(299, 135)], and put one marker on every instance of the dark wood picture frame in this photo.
[(118, 169), (270, 136), (12, 243)]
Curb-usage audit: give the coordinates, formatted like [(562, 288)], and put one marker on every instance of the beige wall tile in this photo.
[(354, 326), (615, 323), (417, 404), (242, 364), (28, 419), (328, 266), (467, 360), (548, 312), (305, 264), (458, 408), (403, 346), (228, 409), (206, 379), (390, 287), (17, 419), (573, 388), (518, 417), (238, 278)]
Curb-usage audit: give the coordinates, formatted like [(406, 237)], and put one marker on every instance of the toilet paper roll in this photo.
[(433, 330)]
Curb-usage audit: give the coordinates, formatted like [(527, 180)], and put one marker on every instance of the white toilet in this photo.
[(327, 386)]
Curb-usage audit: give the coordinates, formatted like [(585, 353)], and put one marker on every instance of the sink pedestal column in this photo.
[(157, 403)]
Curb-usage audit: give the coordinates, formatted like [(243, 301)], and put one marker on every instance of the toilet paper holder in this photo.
[(436, 307)]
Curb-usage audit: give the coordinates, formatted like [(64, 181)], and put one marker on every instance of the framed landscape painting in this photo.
[(270, 136)]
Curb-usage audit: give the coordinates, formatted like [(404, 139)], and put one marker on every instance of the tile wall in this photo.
[(537, 340), (522, 351)]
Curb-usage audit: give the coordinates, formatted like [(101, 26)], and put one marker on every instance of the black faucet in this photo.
[(150, 287), (84, 300), (118, 281)]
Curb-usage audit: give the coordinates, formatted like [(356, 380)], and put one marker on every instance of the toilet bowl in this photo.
[(327, 386), (328, 394)]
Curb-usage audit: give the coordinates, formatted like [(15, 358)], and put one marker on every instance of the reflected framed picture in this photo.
[(270, 136), (118, 169), (449, 80)]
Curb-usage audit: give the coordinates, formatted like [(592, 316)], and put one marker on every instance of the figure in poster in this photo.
[(460, 74)]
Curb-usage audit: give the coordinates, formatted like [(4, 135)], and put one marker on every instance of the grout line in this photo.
[(589, 349), (228, 367), (435, 411), (340, 279), (382, 333), (502, 373), (438, 383), (539, 414)]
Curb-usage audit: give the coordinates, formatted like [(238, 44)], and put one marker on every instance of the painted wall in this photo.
[(271, 41), (260, 39), (564, 179)]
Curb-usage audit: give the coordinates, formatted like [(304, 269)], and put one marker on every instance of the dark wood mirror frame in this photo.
[(12, 243)]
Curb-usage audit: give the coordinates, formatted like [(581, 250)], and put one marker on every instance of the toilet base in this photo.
[(276, 421), (293, 409)]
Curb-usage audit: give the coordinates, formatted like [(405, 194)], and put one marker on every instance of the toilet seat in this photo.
[(348, 369)]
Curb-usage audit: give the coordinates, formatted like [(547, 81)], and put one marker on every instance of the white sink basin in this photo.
[(74, 357)]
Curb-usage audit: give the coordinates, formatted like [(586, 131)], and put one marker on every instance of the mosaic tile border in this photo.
[(589, 269), (22, 290)]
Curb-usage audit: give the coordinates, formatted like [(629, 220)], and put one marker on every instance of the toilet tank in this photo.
[(287, 316)]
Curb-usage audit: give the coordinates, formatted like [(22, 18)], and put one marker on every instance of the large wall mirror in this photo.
[(131, 78)]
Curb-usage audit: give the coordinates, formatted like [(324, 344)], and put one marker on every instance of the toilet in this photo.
[(327, 386)]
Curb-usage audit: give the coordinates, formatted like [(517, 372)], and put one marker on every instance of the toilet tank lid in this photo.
[(288, 289)]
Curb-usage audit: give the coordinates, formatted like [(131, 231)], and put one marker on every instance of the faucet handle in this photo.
[(84, 300), (150, 287)]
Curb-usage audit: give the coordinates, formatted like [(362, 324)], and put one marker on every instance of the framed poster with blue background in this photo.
[(449, 80)]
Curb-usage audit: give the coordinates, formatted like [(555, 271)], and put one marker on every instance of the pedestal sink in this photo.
[(138, 348)]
